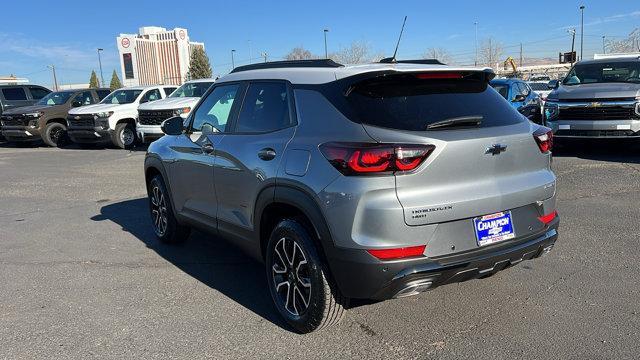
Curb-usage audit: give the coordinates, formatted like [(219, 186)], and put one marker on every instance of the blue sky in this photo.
[(34, 34)]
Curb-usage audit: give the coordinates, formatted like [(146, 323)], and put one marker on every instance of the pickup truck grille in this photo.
[(15, 120), (153, 117), (597, 113), (84, 120)]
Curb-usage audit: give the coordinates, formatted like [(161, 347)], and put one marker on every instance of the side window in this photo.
[(524, 90), (16, 93), (265, 108), (38, 93), (151, 95), (169, 90), (214, 111), (102, 94), (85, 98)]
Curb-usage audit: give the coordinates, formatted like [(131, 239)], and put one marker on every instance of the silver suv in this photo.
[(375, 181)]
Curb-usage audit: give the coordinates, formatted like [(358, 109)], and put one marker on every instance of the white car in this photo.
[(179, 103), (113, 119)]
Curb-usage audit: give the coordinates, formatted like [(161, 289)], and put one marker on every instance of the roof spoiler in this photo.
[(417, 61), (322, 63)]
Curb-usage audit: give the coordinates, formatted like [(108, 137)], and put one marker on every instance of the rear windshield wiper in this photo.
[(462, 121)]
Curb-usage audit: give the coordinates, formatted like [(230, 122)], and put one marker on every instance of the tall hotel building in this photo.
[(155, 56)]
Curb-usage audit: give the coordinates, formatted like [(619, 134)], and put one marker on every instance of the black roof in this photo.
[(610, 60), (322, 63)]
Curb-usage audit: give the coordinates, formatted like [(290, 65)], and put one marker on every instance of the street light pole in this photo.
[(581, 29), (100, 63), (250, 54), (55, 80), (573, 40), (264, 55), (326, 53), (233, 63), (604, 51), (476, 60)]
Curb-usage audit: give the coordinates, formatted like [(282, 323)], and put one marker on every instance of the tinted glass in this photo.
[(192, 89), (407, 102), (152, 95), (213, 113), (265, 108), (84, 98), (122, 97), (38, 93), (502, 89), (16, 93), (128, 65), (102, 93), (604, 72), (169, 90), (56, 98)]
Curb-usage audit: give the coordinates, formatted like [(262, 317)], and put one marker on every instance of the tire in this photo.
[(165, 224), (55, 134), (124, 136), (297, 277)]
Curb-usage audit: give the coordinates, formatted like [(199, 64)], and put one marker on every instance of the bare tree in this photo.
[(489, 52), (357, 53), (300, 53), (439, 54), (630, 44)]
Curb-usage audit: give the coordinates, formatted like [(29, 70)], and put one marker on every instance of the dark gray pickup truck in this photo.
[(597, 99)]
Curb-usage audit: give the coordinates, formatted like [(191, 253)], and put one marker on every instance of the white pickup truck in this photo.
[(114, 118), (179, 103)]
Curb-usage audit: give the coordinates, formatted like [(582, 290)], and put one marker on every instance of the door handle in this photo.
[(207, 148), (267, 154)]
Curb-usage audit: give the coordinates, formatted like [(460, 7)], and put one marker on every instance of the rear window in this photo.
[(16, 93), (412, 102)]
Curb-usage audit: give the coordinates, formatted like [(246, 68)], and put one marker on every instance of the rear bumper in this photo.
[(21, 133), (596, 128), (360, 275), (95, 134)]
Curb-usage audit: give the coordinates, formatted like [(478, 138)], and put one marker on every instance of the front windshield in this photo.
[(121, 97), (191, 90), (502, 89), (627, 71), (55, 98)]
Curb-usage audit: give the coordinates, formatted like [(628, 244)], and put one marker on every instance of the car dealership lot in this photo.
[(81, 275)]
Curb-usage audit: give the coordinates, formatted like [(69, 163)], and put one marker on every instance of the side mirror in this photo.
[(173, 126), (76, 103), (519, 98), (553, 84)]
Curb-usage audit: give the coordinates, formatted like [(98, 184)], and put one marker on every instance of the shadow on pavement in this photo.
[(208, 259), (623, 150)]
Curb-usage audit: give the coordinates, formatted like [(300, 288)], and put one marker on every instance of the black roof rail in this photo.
[(322, 63), (418, 61)]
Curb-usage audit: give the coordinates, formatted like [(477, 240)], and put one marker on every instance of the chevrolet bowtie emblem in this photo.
[(496, 149), (77, 117)]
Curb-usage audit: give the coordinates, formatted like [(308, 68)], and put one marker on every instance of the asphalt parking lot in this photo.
[(81, 276)]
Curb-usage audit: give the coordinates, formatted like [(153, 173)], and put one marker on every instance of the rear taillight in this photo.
[(544, 139), (546, 219), (361, 159), (398, 253)]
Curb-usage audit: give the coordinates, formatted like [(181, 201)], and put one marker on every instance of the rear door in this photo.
[(247, 159), (474, 170)]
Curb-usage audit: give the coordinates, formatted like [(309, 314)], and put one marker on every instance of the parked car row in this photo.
[(93, 116)]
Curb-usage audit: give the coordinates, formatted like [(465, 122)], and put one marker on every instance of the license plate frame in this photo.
[(494, 228)]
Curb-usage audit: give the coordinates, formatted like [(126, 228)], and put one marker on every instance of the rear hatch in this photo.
[(485, 163)]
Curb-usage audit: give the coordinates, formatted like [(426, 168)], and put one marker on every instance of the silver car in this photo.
[(375, 181)]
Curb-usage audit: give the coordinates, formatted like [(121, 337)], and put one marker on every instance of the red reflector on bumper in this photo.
[(398, 253), (549, 217)]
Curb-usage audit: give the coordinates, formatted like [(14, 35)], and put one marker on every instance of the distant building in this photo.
[(12, 80), (155, 56)]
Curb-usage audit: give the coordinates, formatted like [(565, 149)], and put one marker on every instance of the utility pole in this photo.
[(573, 40), (264, 55), (490, 54), (250, 54), (55, 80), (233, 63), (581, 30), (100, 63), (604, 51), (476, 61), (326, 53), (520, 54)]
